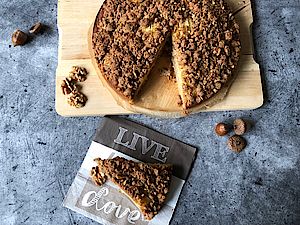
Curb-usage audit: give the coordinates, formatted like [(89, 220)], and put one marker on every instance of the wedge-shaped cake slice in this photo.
[(147, 185), (206, 48)]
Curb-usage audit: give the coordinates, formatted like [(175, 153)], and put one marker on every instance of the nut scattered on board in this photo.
[(78, 73), (36, 28), (222, 129), (19, 38), (239, 126), (236, 143), (77, 99), (67, 86)]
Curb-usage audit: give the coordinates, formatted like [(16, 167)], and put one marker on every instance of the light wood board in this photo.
[(75, 17)]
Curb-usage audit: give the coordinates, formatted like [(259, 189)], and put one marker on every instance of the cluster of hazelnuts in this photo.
[(20, 38), (236, 142)]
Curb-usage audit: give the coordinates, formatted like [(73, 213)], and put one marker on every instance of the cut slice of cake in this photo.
[(206, 48), (147, 185)]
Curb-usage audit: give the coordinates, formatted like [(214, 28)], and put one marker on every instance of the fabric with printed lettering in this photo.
[(106, 204)]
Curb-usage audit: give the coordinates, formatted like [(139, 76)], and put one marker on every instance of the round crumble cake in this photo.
[(128, 36)]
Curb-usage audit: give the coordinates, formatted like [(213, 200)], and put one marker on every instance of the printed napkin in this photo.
[(119, 137)]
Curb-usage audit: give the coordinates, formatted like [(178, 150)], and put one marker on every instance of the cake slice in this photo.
[(147, 185), (206, 48)]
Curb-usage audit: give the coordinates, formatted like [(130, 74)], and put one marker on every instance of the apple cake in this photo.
[(146, 184), (128, 36)]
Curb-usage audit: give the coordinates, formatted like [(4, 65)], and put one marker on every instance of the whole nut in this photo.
[(236, 143), (36, 28), (222, 129), (19, 38), (239, 126)]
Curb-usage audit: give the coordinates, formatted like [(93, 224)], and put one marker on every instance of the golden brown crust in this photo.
[(147, 185)]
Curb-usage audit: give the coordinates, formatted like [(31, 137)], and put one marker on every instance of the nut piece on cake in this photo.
[(146, 184)]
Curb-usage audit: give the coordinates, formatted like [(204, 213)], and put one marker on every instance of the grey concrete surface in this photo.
[(40, 151)]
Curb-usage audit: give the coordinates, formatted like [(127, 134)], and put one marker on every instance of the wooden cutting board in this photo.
[(75, 17)]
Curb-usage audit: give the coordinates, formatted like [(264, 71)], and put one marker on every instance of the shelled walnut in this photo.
[(77, 99), (78, 73), (67, 86)]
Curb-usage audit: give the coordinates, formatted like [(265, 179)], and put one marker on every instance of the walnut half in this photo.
[(67, 86), (77, 99), (78, 73)]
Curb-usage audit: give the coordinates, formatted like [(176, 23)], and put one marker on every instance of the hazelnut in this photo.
[(36, 28), (222, 129), (236, 143), (239, 126), (19, 38)]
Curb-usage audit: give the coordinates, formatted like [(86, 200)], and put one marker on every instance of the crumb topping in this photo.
[(208, 47)]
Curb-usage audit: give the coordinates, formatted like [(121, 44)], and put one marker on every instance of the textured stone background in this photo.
[(40, 152)]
